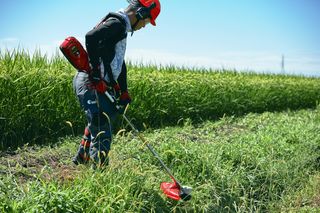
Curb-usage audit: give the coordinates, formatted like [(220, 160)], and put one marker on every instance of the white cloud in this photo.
[(9, 44), (9, 40), (49, 49)]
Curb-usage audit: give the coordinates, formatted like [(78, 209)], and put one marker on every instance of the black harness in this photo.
[(110, 16)]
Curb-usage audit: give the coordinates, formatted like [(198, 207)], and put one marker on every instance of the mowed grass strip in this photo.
[(265, 162)]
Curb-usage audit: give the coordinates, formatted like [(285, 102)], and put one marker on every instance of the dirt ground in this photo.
[(30, 163)]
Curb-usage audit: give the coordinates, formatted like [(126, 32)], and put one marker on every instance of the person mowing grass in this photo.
[(106, 46)]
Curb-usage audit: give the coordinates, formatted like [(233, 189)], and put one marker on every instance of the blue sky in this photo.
[(242, 35)]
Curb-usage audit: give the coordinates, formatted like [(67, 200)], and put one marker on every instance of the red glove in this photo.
[(101, 86), (125, 98)]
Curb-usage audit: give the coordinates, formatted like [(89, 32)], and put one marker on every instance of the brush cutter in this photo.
[(78, 57), (173, 190)]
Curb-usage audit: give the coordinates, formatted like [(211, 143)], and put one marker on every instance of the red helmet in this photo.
[(154, 11)]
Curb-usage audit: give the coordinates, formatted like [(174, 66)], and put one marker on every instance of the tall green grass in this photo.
[(171, 94), (36, 97)]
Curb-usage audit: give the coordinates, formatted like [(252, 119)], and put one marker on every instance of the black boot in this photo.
[(82, 156)]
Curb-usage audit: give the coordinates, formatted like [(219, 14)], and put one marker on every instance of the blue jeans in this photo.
[(100, 113)]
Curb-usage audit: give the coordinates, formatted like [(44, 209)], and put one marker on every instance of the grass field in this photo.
[(245, 142), (265, 162)]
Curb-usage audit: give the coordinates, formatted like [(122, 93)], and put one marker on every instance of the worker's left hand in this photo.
[(125, 98)]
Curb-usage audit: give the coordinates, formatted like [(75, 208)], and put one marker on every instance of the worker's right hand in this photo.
[(101, 86), (97, 82)]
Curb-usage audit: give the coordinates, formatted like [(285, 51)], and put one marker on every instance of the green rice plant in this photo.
[(167, 95), (37, 102), (36, 99)]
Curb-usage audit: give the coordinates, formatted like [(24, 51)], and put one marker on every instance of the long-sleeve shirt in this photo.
[(106, 46)]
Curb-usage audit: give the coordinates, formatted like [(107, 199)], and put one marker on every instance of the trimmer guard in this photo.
[(171, 190)]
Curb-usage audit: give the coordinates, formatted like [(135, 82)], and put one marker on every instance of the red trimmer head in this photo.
[(175, 191)]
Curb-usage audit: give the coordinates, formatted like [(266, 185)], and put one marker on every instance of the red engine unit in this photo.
[(75, 53)]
